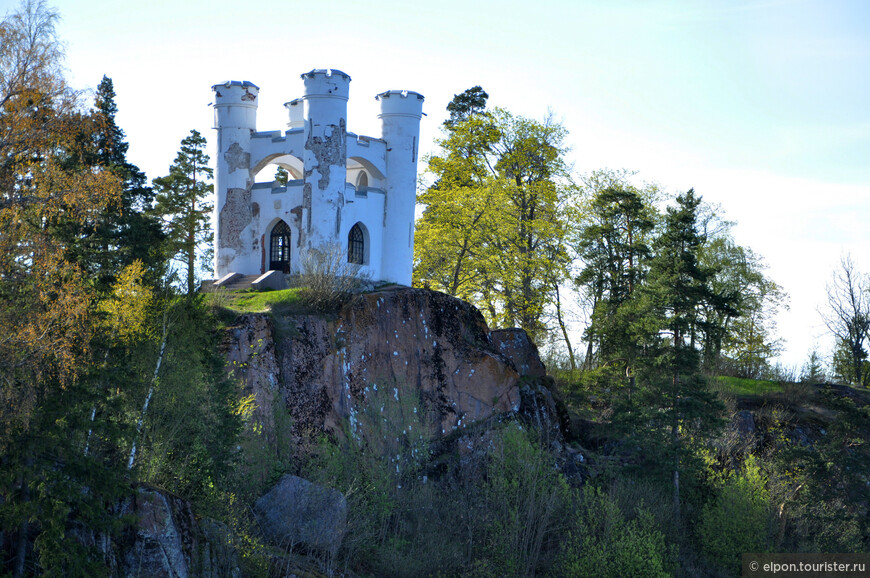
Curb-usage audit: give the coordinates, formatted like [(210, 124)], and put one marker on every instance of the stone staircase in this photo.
[(239, 282)]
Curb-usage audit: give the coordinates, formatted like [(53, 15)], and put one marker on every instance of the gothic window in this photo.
[(356, 245), (279, 248), (362, 183)]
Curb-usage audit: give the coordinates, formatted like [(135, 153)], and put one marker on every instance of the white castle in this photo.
[(345, 190)]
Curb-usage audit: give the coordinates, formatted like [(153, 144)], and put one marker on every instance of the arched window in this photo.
[(279, 248), (356, 246), (362, 182)]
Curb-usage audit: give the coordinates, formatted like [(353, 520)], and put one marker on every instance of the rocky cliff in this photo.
[(161, 537), (416, 344)]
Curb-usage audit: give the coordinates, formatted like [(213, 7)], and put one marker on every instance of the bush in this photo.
[(497, 514), (604, 543), (738, 520), (525, 497), (327, 279), (398, 520)]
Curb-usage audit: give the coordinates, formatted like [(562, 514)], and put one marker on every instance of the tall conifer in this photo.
[(183, 202), (674, 410)]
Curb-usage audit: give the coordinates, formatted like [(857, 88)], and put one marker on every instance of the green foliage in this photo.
[(825, 486), (498, 514), (526, 498), (613, 240), (183, 202), (494, 225), (742, 333), (739, 519), (602, 542), (673, 411), (465, 105), (848, 318), (191, 429), (814, 371), (282, 176), (125, 230), (378, 467)]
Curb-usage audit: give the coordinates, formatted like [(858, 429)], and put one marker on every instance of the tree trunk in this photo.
[(150, 389), (20, 550), (24, 527), (675, 425), (564, 329), (675, 439)]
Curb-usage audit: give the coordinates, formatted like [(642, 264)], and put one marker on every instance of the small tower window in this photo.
[(279, 248), (356, 245)]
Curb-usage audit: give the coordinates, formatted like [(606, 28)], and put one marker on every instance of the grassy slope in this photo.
[(283, 301), (739, 386)]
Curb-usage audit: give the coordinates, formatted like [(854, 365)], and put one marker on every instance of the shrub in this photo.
[(525, 496), (398, 520), (328, 280), (739, 519), (604, 543)]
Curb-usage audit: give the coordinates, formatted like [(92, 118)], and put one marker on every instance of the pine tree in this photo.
[(183, 202), (613, 241)]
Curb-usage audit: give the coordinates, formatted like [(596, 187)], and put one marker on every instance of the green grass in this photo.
[(239, 302), (743, 386)]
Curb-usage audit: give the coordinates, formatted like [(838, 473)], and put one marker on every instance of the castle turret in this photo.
[(294, 110), (235, 118), (325, 158), (400, 128)]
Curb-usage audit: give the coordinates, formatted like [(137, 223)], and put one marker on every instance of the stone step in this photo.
[(241, 283)]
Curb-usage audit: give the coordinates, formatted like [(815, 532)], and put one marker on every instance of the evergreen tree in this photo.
[(183, 202), (282, 176), (126, 230), (674, 410), (465, 105), (135, 231), (46, 316), (613, 242)]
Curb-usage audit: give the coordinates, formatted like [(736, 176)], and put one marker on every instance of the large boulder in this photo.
[(298, 513)]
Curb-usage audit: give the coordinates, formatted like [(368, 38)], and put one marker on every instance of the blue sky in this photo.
[(760, 105)]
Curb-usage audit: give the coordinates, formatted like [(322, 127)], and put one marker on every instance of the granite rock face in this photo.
[(167, 540), (161, 537), (411, 349), (516, 346), (421, 346)]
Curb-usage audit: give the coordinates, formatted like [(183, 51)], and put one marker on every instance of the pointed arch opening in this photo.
[(357, 245), (279, 248)]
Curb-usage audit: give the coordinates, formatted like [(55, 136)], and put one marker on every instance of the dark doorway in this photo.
[(279, 248)]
